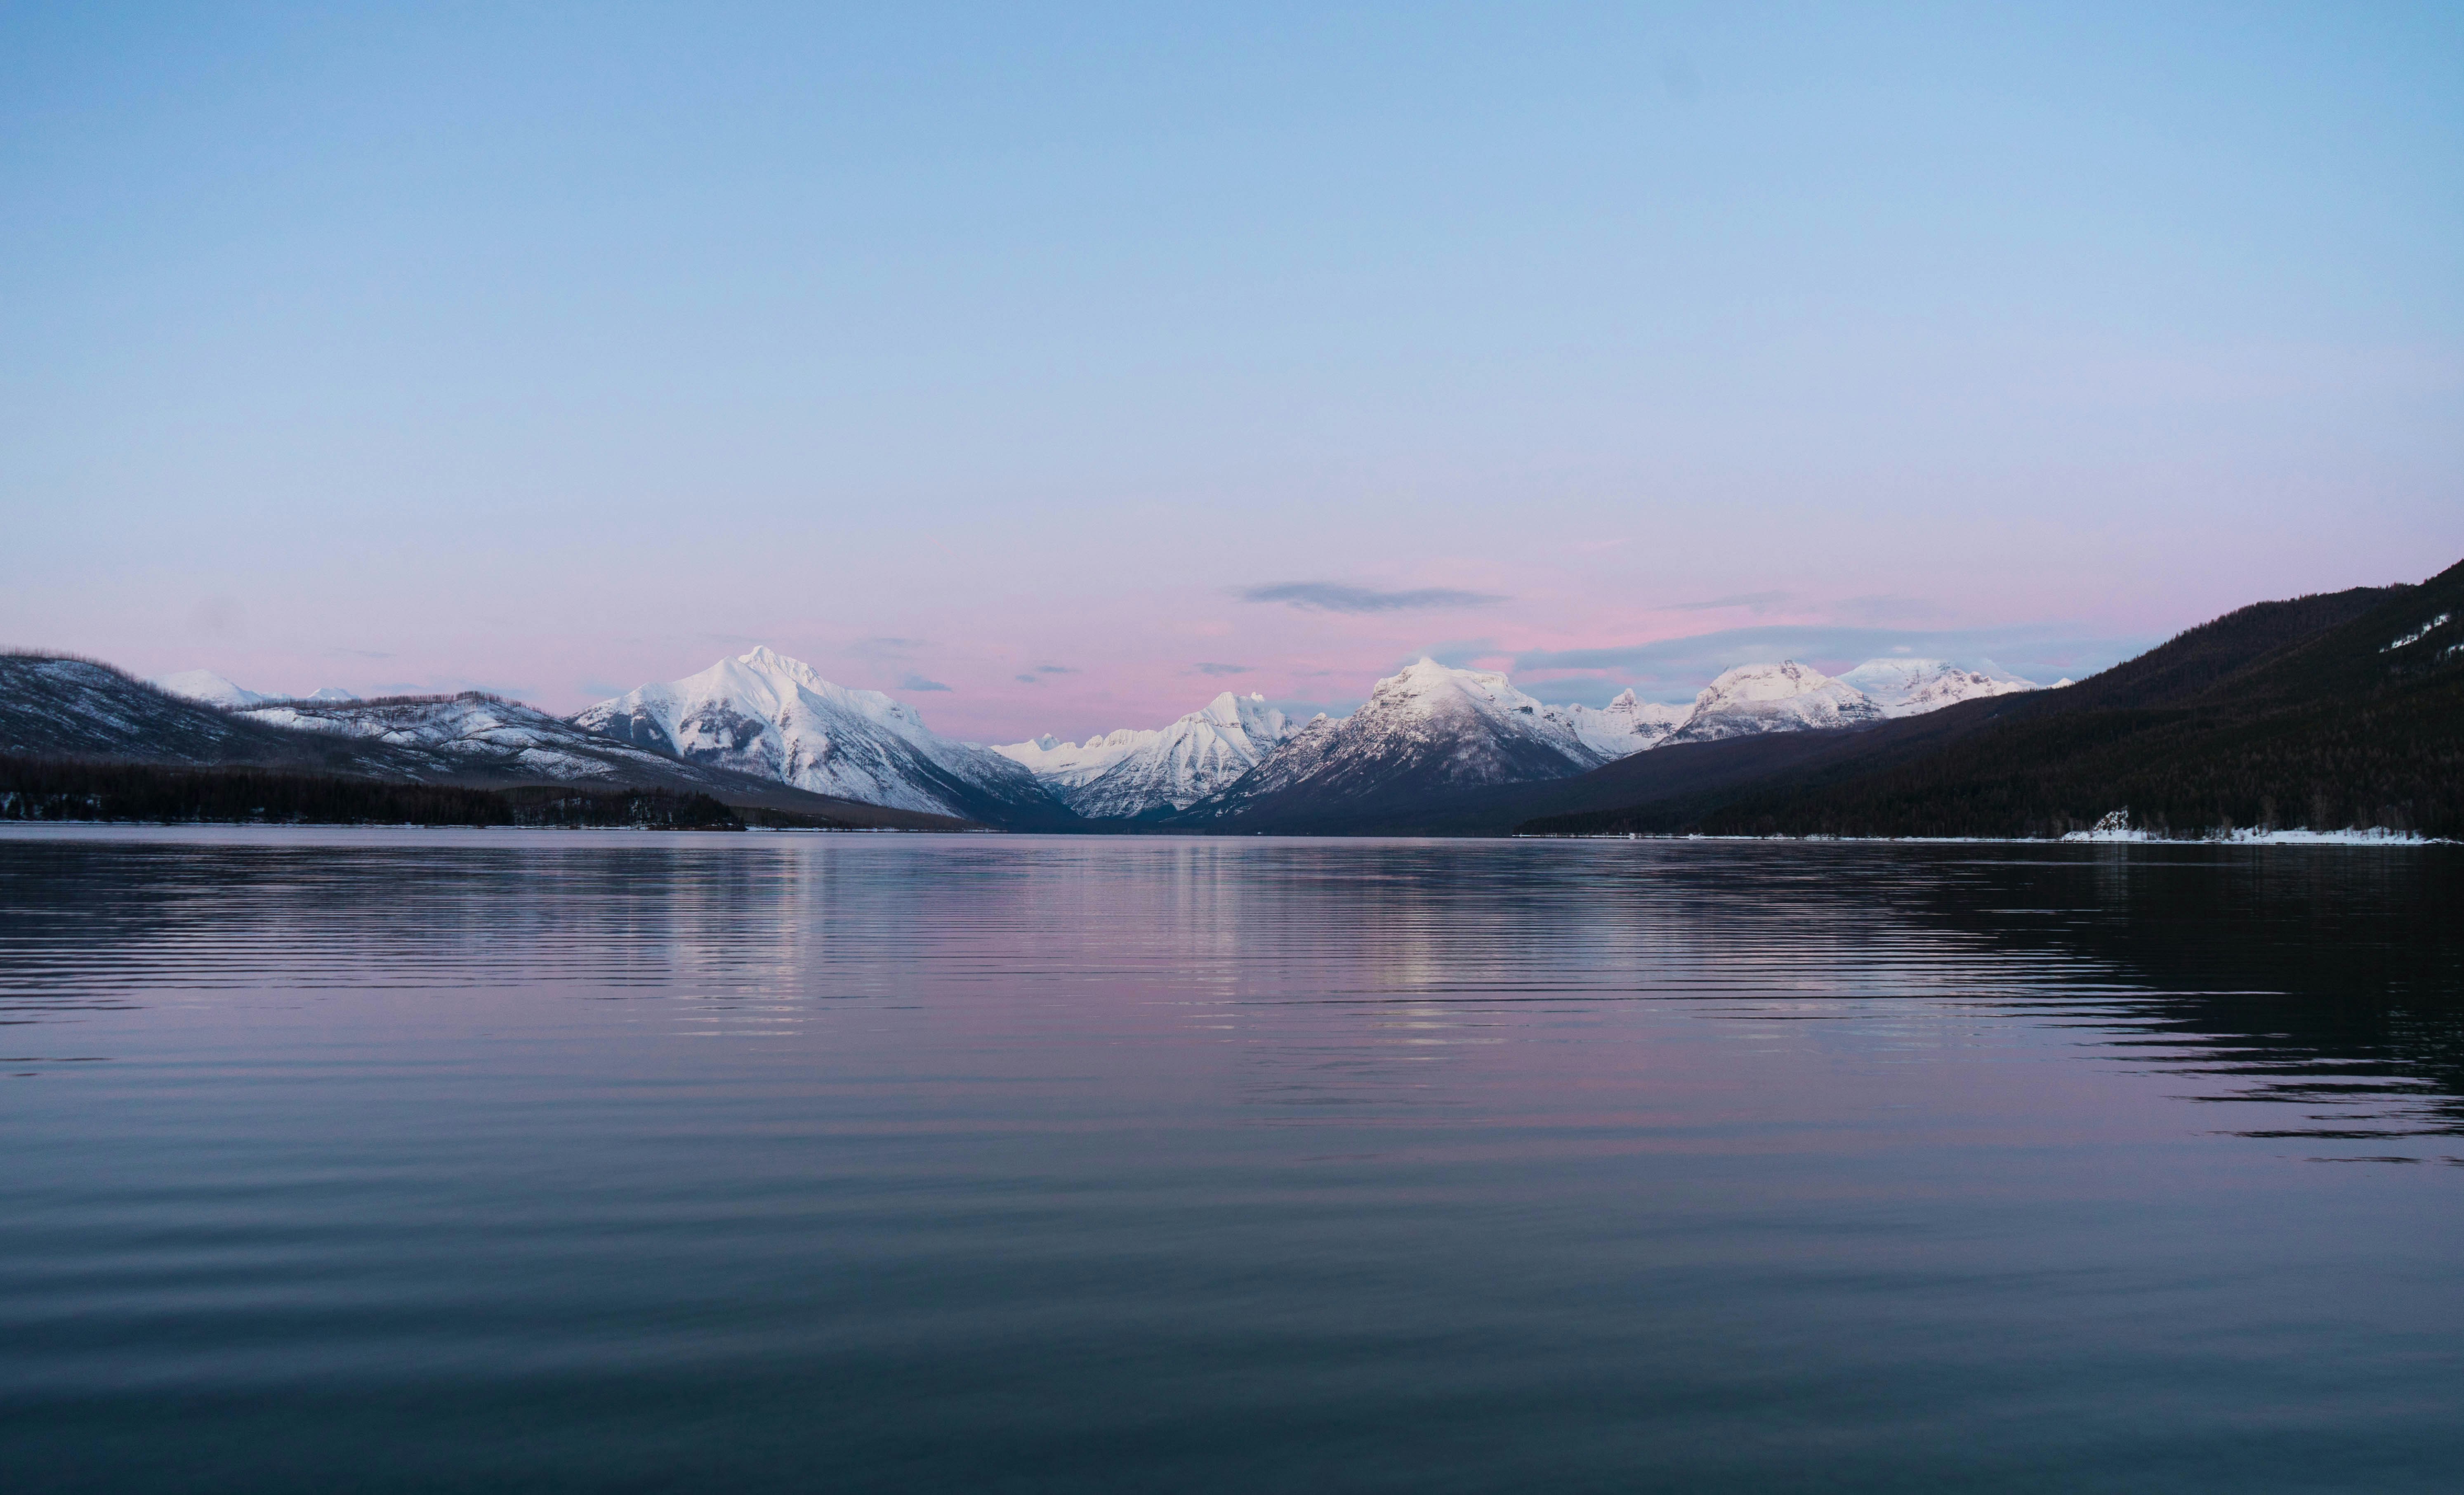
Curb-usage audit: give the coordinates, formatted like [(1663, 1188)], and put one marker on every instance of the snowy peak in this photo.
[(1913, 687), (1787, 697)]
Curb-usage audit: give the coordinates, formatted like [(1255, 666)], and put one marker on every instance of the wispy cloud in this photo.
[(1210, 669), (915, 682), (1340, 597), (1056, 669), (1751, 602)]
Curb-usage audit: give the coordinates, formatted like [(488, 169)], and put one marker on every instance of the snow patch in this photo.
[(2420, 633)]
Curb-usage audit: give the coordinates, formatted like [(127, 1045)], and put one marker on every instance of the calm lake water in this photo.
[(545, 1161)]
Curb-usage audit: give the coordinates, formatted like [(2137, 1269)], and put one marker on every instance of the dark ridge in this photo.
[(2281, 716)]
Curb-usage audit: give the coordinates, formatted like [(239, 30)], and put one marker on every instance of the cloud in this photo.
[(1028, 679), (361, 653), (1055, 669), (915, 682), (1208, 669), (1751, 602), (1337, 597)]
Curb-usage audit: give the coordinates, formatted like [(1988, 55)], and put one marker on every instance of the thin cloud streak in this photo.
[(1341, 596), (1751, 602)]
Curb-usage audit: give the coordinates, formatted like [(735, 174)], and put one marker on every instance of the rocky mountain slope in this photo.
[(764, 715)]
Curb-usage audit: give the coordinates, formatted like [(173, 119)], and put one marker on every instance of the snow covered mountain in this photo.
[(1125, 774), (1625, 725), (1428, 730), (1913, 687), (1783, 697), (766, 715)]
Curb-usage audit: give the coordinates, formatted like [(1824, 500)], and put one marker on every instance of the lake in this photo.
[(395, 1160)]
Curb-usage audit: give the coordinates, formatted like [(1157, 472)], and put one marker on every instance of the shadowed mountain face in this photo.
[(2324, 713)]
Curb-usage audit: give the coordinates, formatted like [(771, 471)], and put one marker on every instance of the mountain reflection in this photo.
[(2313, 992)]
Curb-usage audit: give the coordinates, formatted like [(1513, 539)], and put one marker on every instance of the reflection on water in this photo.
[(600, 1161)]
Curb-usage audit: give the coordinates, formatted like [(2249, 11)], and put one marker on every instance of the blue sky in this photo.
[(1073, 358)]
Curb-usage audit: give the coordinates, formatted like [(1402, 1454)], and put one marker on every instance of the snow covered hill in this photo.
[(484, 736), (212, 688), (55, 707), (1783, 697), (204, 685), (1125, 774), (1913, 687), (763, 713), (1428, 730)]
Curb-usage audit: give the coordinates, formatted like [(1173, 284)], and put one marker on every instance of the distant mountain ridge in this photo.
[(1427, 729), (1428, 736), (1125, 773)]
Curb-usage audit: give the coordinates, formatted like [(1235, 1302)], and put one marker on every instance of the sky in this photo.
[(1054, 368)]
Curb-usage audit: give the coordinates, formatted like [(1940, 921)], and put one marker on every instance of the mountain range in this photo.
[(1881, 749), (1426, 734)]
